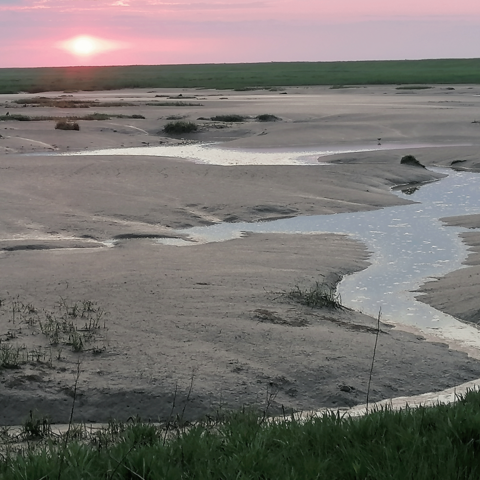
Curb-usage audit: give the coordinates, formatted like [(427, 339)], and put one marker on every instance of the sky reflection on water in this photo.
[(409, 244)]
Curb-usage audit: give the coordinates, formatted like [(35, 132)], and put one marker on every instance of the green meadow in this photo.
[(241, 76)]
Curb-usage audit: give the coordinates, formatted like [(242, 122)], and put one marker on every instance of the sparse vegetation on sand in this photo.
[(241, 76), (178, 127), (440, 442), (69, 326)]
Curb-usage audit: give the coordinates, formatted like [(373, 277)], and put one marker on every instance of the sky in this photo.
[(37, 33)]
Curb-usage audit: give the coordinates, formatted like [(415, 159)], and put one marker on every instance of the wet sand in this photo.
[(211, 319)]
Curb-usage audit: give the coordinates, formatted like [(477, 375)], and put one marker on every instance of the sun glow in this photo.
[(87, 46), (83, 46)]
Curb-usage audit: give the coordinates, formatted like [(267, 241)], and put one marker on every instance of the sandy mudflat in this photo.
[(76, 228)]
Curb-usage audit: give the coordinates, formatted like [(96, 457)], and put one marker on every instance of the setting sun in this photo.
[(83, 46), (88, 46)]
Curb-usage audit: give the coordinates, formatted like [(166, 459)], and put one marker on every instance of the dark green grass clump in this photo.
[(267, 117), (66, 125), (228, 118), (441, 442), (180, 127)]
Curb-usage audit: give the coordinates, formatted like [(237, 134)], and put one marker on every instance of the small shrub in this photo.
[(10, 356), (180, 127), (267, 117), (66, 125), (228, 118), (317, 296), (36, 426)]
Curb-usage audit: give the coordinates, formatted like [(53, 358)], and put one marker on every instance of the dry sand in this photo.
[(212, 314)]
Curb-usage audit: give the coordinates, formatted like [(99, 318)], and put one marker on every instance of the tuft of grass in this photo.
[(267, 117), (318, 295), (10, 355), (36, 427), (229, 118), (66, 125), (179, 127)]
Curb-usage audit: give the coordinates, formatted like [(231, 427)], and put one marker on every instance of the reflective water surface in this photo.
[(409, 244), (216, 154)]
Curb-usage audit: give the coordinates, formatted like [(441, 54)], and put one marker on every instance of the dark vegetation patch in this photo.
[(414, 87), (267, 117), (19, 118), (411, 160), (92, 116), (229, 118), (177, 117), (179, 127), (62, 103), (66, 125)]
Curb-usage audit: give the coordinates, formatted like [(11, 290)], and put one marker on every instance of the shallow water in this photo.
[(216, 154), (409, 244)]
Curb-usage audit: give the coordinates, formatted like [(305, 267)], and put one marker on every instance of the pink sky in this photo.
[(32, 32)]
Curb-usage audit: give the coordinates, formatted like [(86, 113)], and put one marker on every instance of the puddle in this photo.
[(215, 154)]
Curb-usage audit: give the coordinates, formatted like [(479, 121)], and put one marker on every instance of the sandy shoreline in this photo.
[(212, 312)]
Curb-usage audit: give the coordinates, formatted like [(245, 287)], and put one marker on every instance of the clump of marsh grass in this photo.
[(318, 295), (267, 117), (179, 127), (66, 125), (10, 355)]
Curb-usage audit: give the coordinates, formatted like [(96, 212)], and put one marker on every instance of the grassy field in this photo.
[(441, 442), (241, 76)]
